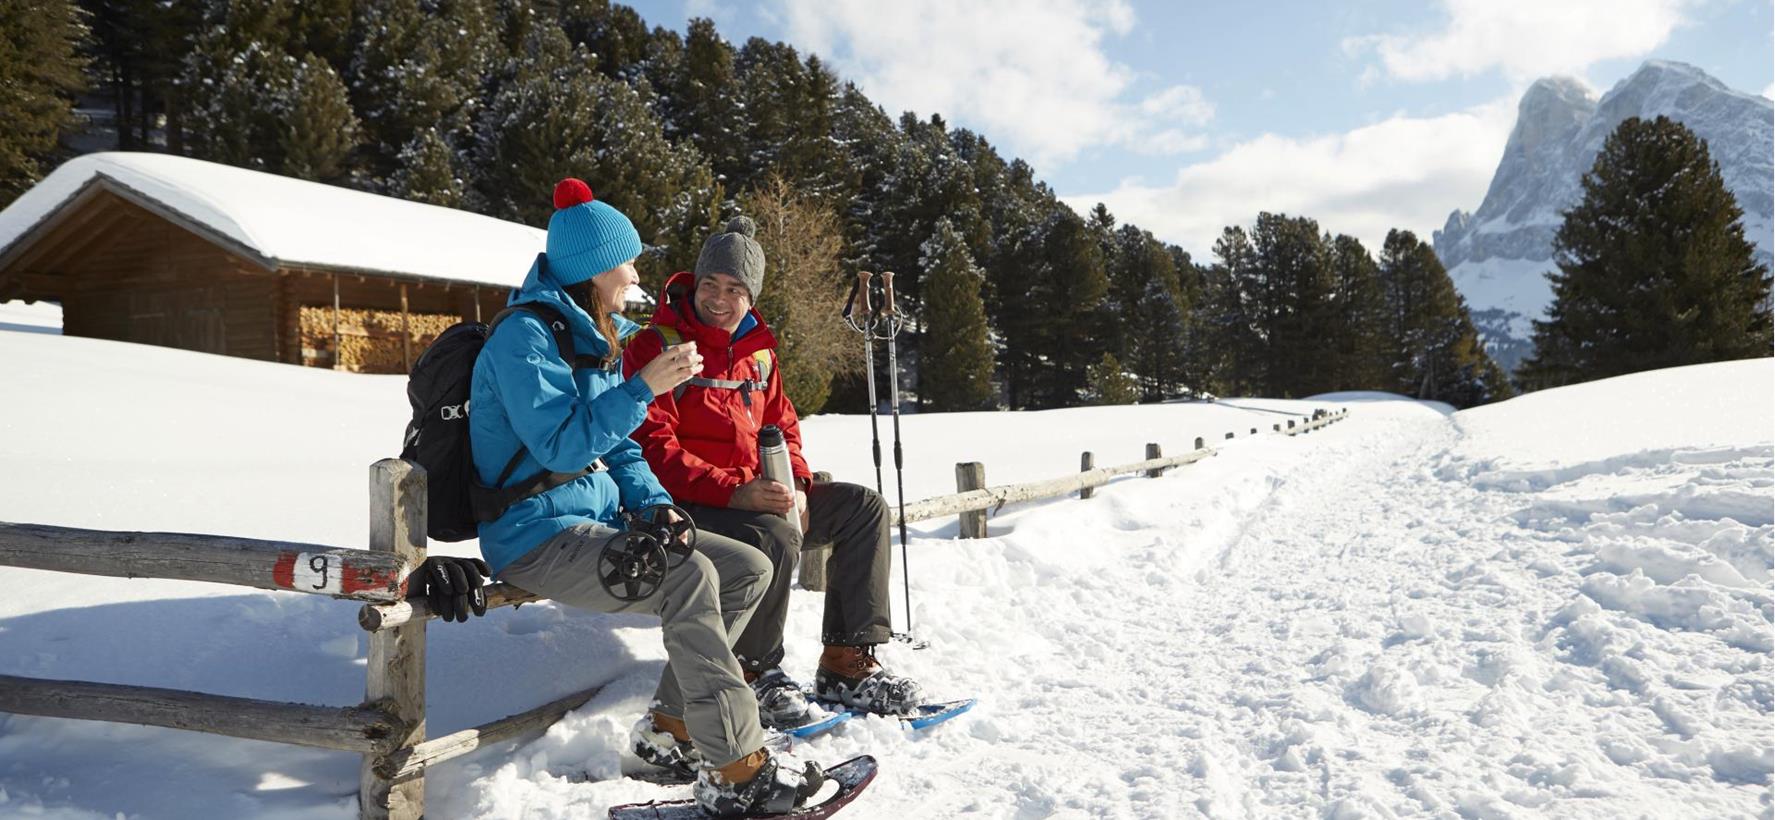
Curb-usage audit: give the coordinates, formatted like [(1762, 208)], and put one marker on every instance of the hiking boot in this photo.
[(781, 703), (762, 782), (664, 741), (851, 676)]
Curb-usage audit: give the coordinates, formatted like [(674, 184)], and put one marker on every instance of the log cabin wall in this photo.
[(126, 274)]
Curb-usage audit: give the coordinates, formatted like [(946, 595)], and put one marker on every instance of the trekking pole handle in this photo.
[(862, 293), (887, 287)]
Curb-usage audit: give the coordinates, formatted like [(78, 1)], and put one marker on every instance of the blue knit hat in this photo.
[(587, 237)]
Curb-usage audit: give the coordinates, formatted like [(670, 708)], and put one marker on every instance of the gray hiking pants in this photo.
[(703, 602), (854, 520)]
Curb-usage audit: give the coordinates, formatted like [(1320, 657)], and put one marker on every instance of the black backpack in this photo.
[(437, 436)]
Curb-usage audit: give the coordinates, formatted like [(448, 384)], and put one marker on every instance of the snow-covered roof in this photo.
[(278, 220)]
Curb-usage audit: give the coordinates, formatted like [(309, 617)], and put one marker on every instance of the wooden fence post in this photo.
[(1153, 451), (1229, 436), (395, 681), (1087, 463), (971, 475), (1291, 424), (1200, 445)]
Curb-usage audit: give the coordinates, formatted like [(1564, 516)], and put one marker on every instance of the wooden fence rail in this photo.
[(388, 728), (220, 559)]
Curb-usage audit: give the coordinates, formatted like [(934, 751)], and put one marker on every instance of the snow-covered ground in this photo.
[(1555, 606)]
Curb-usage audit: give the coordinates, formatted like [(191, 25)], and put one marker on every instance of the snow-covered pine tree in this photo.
[(556, 117), (427, 171), (615, 35), (955, 372), (234, 80), (1654, 269), (418, 64), (703, 103), (40, 75)]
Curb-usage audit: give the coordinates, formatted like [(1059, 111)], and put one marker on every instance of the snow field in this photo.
[(1555, 606)]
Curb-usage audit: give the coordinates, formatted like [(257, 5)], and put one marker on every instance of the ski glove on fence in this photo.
[(453, 586)]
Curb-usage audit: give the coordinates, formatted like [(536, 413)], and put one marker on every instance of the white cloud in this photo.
[(1525, 39), (1769, 93), (1402, 172), (1032, 74)]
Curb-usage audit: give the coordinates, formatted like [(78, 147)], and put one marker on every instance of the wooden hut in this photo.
[(178, 252)]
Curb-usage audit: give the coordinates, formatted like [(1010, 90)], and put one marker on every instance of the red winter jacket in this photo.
[(704, 445)]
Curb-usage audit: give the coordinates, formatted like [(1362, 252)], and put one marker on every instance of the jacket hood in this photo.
[(541, 286), (676, 310)]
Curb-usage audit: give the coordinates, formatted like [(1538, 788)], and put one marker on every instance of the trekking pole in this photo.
[(892, 324), (859, 314)]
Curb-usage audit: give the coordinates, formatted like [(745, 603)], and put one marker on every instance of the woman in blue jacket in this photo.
[(527, 398)]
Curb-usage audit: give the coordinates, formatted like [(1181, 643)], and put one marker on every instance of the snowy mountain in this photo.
[(1498, 254)]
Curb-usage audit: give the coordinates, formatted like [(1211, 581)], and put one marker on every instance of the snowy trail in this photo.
[(1371, 635)]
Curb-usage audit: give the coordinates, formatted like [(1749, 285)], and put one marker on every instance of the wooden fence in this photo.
[(388, 727)]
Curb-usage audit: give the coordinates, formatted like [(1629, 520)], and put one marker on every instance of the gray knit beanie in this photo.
[(734, 253)]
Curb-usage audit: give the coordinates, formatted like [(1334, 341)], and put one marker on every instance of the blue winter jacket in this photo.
[(524, 392)]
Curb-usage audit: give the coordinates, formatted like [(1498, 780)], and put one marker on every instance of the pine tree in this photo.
[(1436, 352), (955, 372), (1230, 334), (1067, 286), (40, 74), (238, 64), (555, 117), (1109, 383), (137, 49), (418, 64), (427, 172), (1654, 269), (615, 36), (1358, 348), (1159, 341), (1290, 283), (319, 130)]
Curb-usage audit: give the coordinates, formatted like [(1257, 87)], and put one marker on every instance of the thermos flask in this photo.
[(773, 456)]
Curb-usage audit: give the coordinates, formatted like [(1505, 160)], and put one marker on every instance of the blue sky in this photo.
[(1188, 116)]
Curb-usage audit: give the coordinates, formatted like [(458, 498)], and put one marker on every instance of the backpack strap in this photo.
[(669, 336), (556, 322)]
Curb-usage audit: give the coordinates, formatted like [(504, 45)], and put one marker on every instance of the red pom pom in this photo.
[(570, 192)]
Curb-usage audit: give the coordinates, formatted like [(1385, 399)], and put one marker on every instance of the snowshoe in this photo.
[(780, 784), (845, 781)]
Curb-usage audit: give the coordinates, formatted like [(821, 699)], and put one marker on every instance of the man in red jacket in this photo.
[(702, 442)]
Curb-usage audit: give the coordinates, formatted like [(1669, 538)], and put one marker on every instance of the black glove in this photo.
[(453, 586)]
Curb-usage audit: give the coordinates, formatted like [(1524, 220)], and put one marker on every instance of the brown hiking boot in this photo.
[(851, 662), (851, 676)]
